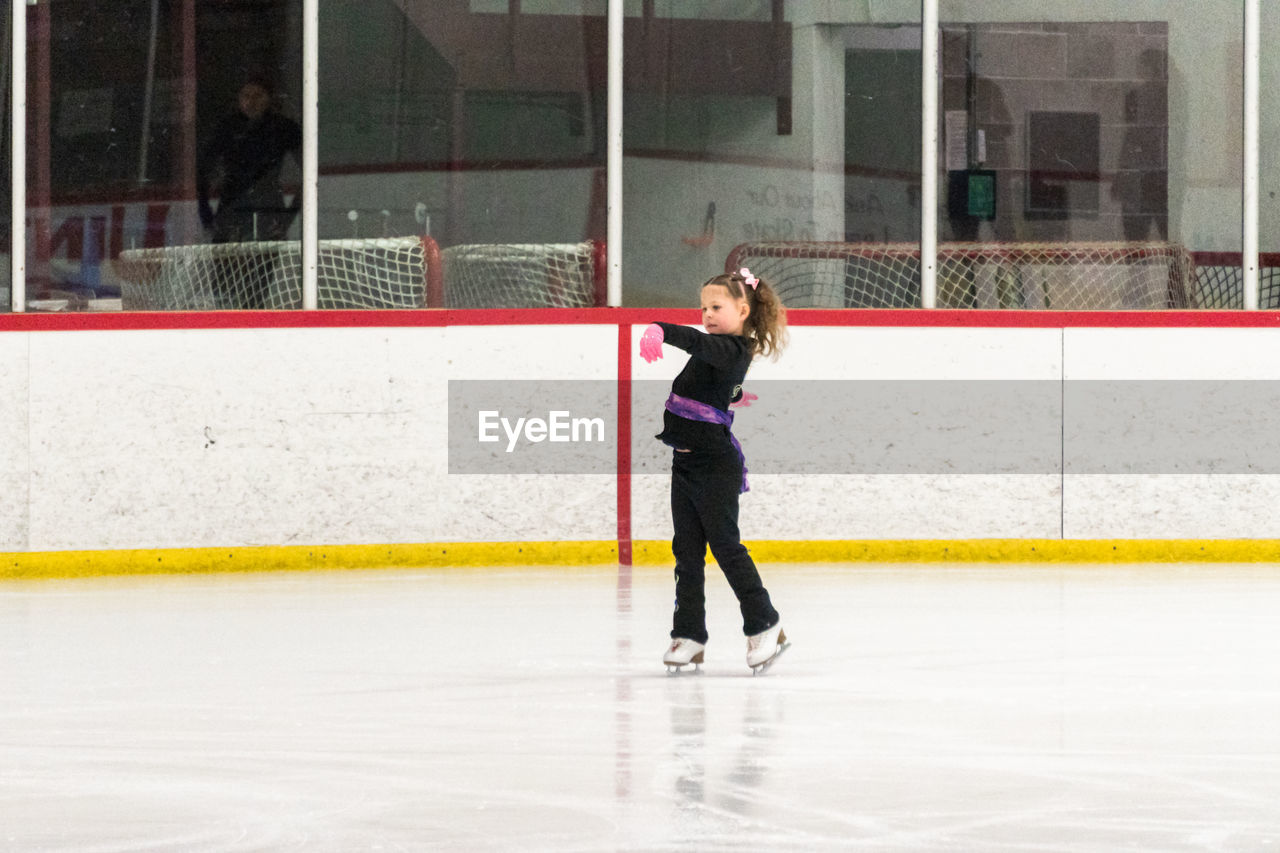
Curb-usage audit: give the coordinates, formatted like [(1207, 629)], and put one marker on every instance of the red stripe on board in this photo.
[(130, 321), (624, 444), (907, 317)]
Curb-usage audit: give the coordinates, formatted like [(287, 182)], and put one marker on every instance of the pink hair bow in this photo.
[(748, 278)]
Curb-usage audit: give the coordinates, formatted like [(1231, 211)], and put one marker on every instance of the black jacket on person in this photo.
[(714, 375), (249, 153)]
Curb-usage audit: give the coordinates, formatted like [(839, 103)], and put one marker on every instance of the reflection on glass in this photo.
[(239, 171), (1036, 118), (122, 97), (6, 185), (778, 136), (462, 154), (1080, 167), (1269, 161), (1141, 182)]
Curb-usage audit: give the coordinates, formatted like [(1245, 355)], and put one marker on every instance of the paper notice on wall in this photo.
[(957, 140)]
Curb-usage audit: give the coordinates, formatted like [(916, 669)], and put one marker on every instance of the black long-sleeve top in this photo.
[(250, 152), (714, 374)]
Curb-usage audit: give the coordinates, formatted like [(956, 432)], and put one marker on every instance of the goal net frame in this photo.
[(1029, 276), (365, 274), (525, 275), (1219, 280), (373, 273)]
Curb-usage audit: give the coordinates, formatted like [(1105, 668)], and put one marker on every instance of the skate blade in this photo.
[(678, 668), (762, 668)]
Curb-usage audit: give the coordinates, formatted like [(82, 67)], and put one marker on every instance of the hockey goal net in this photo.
[(1219, 280), (524, 275), (1070, 276), (391, 272)]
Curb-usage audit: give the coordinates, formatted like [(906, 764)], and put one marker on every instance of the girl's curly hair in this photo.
[(766, 325)]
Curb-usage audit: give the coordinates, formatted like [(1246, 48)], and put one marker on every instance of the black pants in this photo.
[(704, 510)]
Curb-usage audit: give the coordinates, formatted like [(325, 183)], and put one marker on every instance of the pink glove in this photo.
[(651, 343), (744, 400)]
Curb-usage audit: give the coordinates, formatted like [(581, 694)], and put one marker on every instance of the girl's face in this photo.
[(721, 313)]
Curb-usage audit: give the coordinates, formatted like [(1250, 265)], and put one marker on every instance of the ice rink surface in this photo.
[(982, 708)]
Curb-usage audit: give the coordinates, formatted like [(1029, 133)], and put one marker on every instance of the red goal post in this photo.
[(1033, 276)]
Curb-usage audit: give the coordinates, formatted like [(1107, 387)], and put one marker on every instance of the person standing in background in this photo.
[(242, 161)]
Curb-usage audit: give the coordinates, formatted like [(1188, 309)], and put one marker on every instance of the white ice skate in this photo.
[(763, 648), (683, 652)]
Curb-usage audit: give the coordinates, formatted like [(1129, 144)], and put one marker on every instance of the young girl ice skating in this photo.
[(743, 318)]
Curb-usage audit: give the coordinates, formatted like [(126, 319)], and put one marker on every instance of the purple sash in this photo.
[(695, 411)]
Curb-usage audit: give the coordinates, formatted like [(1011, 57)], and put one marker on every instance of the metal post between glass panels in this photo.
[(18, 156), (929, 154), (613, 159), (310, 153), (1249, 243)]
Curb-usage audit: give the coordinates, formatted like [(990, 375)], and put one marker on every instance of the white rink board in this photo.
[(234, 437), (524, 508), (237, 437), (895, 353), (1234, 506), (199, 438), (875, 352), (1172, 354), (801, 508), (1155, 506), (532, 352), (14, 457), (884, 506)]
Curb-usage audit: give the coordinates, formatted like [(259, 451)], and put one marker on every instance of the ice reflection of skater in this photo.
[(688, 741), (749, 768), (703, 801)]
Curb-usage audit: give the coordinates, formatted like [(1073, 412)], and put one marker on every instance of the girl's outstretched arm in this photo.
[(718, 350)]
